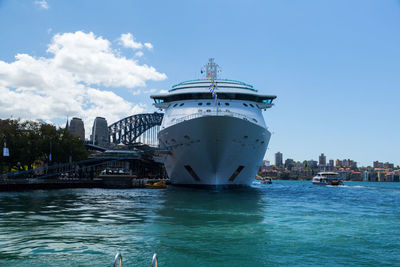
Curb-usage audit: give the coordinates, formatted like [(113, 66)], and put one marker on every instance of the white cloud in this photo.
[(139, 54), (163, 91), (42, 4), (150, 91), (128, 41), (137, 92), (66, 82), (148, 46)]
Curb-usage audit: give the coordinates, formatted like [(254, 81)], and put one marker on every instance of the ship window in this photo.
[(208, 103), (175, 104), (200, 110), (268, 101), (219, 104), (182, 104), (255, 120), (244, 104), (208, 110), (199, 103), (227, 104), (221, 96), (251, 105)]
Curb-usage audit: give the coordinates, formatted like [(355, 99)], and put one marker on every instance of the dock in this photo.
[(103, 181)]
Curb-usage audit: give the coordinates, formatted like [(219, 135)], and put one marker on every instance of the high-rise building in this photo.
[(322, 160), (331, 163), (77, 128), (388, 165), (339, 163), (312, 164), (100, 134), (278, 159), (289, 163), (378, 164)]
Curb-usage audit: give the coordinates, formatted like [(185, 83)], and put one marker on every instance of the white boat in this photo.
[(327, 178), (214, 138)]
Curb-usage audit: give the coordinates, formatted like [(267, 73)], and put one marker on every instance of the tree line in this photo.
[(29, 142)]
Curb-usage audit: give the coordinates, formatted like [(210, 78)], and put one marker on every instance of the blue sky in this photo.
[(334, 65)]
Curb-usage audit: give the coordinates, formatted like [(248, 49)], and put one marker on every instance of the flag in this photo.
[(212, 90), (6, 152)]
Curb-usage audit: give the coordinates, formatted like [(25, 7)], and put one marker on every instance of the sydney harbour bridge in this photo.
[(139, 128)]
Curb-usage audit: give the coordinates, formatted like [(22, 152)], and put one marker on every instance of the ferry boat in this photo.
[(327, 178), (214, 130)]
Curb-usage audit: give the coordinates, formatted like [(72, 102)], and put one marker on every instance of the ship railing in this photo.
[(118, 260), (209, 112)]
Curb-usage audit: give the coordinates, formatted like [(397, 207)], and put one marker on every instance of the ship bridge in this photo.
[(205, 84), (211, 87)]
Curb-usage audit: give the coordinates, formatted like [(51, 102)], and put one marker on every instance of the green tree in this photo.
[(30, 141)]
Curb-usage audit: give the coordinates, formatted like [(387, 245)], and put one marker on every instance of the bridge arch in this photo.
[(129, 129)]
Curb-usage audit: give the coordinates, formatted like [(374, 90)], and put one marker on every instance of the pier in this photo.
[(131, 160)]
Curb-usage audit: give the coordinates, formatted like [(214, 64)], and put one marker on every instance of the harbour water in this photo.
[(285, 223)]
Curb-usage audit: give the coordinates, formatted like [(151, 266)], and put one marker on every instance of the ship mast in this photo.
[(211, 69)]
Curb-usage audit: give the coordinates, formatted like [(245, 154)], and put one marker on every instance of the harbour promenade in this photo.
[(124, 154)]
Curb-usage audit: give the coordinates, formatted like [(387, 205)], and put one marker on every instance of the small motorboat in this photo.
[(327, 178), (157, 185), (266, 181)]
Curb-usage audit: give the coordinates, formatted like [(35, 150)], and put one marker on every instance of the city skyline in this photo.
[(280, 161), (332, 65)]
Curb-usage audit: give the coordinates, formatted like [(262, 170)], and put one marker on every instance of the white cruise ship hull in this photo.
[(214, 151)]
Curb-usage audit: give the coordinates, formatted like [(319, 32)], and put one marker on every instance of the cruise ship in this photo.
[(214, 130)]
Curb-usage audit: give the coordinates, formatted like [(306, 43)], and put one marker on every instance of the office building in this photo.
[(100, 134), (278, 159), (76, 127)]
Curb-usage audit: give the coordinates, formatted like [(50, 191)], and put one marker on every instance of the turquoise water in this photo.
[(286, 223)]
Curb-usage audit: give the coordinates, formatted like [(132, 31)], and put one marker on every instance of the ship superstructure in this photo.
[(214, 130)]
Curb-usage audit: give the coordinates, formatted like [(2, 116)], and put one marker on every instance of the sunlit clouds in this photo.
[(76, 79)]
